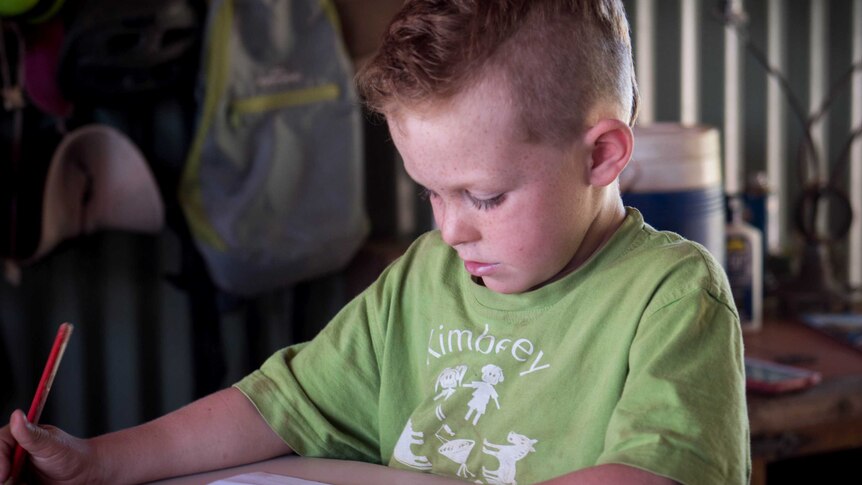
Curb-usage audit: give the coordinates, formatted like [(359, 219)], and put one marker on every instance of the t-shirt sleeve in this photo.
[(321, 397), (682, 412)]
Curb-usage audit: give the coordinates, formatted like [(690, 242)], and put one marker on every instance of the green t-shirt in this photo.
[(634, 358)]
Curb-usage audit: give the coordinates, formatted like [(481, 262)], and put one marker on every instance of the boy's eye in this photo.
[(477, 202), (485, 204)]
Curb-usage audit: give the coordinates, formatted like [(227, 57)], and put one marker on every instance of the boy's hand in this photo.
[(7, 447), (54, 456), (220, 430)]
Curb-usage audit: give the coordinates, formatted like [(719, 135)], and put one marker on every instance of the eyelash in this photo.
[(481, 204), (486, 204)]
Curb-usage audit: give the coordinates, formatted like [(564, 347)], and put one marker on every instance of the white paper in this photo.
[(263, 478)]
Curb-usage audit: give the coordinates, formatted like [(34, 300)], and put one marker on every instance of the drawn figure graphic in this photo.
[(449, 379), (441, 416), (402, 452), (508, 456), (484, 391), (456, 450)]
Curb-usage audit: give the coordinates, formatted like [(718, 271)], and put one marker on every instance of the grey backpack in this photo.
[(273, 185)]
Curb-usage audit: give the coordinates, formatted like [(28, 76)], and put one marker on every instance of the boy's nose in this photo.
[(455, 228)]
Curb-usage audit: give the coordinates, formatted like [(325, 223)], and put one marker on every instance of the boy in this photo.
[(543, 332)]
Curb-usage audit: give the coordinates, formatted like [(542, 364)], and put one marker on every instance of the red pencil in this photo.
[(63, 334)]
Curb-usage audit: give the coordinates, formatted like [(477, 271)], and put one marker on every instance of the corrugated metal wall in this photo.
[(692, 68), (131, 358)]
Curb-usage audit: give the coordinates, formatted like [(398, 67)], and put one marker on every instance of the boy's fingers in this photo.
[(32, 438), (7, 444), (6, 437)]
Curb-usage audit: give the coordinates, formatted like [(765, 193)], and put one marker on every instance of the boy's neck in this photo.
[(604, 226)]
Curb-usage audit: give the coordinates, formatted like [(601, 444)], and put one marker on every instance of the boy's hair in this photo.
[(559, 58)]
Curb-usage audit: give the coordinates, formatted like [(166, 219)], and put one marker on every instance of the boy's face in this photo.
[(516, 212)]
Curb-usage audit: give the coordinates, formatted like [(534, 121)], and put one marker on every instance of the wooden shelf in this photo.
[(823, 418)]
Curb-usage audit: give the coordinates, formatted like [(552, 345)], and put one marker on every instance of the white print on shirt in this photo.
[(456, 450), (491, 375), (508, 456), (402, 452), (449, 379), (457, 340)]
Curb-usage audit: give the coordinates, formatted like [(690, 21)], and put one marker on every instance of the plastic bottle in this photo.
[(744, 266)]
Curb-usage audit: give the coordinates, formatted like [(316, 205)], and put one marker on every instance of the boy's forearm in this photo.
[(608, 475), (217, 431)]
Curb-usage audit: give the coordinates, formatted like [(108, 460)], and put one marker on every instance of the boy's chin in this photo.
[(502, 287)]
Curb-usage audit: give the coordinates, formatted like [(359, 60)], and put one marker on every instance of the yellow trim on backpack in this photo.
[(285, 99), (216, 69), (332, 13)]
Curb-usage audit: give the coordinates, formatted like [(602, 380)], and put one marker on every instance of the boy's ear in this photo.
[(610, 143)]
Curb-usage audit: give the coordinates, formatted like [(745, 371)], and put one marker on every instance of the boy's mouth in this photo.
[(479, 269)]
